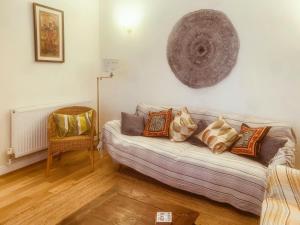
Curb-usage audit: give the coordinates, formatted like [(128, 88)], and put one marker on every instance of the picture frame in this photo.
[(48, 34)]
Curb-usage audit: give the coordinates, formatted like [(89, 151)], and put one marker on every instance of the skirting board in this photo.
[(23, 162)]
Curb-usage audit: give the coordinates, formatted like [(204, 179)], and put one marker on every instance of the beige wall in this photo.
[(265, 82), (24, 82)]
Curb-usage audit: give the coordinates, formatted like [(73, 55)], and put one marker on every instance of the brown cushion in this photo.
[(201, 125), (269, 148), (250, 141), (131, 124), (158, 124)]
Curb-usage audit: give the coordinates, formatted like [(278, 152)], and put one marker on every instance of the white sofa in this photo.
[(226, 177)]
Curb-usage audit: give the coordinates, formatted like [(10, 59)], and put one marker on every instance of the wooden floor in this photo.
[(28, 197)]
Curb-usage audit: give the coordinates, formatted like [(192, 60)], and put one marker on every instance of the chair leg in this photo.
[(49, 162), (93, 158), (59, 155), (91, 153)]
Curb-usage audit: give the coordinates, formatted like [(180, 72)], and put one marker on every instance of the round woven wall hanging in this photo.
[(203, 48)]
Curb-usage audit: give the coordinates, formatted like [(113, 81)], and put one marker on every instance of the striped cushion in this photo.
[(73, 125), (182, 127), (218, 136), (282, 201)]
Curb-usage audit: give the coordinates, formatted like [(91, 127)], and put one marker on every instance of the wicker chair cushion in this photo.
[(73, 125)]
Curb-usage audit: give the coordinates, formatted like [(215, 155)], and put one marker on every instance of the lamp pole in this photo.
[(98, 101)]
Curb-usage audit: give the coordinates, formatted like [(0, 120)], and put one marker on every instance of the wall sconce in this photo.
[(129, 17)]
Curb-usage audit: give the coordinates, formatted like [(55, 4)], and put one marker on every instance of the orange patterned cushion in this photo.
[(250, 142), (158, 124)]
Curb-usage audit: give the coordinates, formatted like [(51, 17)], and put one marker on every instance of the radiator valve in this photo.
[(10, 155)]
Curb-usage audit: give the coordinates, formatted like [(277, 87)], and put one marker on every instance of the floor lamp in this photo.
[(98, 102)]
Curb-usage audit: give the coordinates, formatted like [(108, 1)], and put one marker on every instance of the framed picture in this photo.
[(48, 34)]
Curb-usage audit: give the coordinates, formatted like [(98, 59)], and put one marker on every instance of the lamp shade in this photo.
[(110, 65)]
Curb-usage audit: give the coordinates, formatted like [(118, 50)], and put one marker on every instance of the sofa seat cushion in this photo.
[(225, 178)]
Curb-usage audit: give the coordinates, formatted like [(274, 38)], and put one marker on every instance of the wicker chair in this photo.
[(62, 144)]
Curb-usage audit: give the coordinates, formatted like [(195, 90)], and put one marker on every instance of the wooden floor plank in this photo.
[(28, 197)]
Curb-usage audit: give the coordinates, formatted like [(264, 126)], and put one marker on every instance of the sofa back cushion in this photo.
[(132, 125), (269, 148), (278, 130)]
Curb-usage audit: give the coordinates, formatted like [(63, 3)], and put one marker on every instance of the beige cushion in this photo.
[(182, 127), (219, 136)]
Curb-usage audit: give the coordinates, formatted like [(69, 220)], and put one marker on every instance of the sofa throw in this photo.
[(218, 136), (182, 127), (282, 199), (158, 124), (250, 142), (73, 125)]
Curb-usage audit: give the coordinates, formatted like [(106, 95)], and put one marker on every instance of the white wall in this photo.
[(24, 82), (265, 82)]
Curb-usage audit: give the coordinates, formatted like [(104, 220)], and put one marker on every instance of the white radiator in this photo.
[(29, 128)]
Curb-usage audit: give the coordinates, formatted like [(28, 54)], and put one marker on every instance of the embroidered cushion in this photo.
[(73, 125), (250, 142), (182, 127), (158, 124), (131, 124), (218, 136)]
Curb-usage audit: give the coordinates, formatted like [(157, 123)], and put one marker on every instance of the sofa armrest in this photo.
[(108, 126), (285, 155)]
